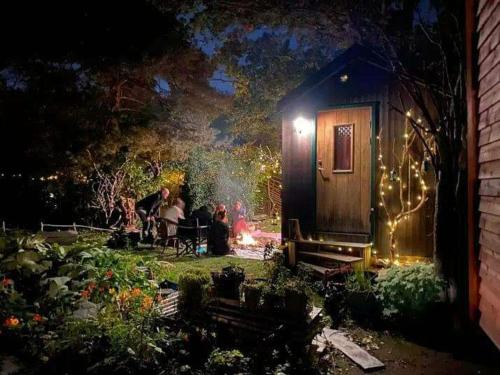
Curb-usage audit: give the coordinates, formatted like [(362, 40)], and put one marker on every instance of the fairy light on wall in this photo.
[(408, 186)]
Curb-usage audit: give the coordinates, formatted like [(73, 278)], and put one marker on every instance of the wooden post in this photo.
[(74, 226)]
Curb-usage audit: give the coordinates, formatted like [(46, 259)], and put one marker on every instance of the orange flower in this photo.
[(123, 297), (91, 286), (6, 282), (111, 291), (37, 318), (11, 322), (136, 292), (109, 274), (147, 302), (85, 293)]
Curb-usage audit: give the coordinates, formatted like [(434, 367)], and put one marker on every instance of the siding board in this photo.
[(488, 48)]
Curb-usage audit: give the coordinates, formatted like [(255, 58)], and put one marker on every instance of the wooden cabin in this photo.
[(483, 96), (331, 169)]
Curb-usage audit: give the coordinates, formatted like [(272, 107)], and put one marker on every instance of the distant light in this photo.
[(344, 78), (302, 126)]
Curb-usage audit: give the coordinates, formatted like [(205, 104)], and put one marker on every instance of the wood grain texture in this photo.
[(366, 85), (343, 199), (488, 48)]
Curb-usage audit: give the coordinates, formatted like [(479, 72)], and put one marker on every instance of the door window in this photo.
[(343, 148)]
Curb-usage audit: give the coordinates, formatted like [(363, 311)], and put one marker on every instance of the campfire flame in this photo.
[(246, 239)]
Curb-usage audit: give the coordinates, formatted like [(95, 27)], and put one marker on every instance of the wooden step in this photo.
[(356, 245), (343, 237), (326, 273), (331, 256)]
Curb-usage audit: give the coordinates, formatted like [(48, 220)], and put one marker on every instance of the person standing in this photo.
[(147, 209)]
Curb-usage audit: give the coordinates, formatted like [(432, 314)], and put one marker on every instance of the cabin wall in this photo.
[(414, 236), (488, 55)]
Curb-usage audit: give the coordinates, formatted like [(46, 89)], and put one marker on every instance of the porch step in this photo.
[(344, 237), (356, 245), (325, 273), (332, 256)]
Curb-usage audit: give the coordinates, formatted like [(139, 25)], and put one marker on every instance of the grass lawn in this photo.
[(175, 266)]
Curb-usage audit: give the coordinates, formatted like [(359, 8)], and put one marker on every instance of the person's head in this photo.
[(237, 205), (221, 215), (179, 203), (220, 207), (164, 193), (204, 208)]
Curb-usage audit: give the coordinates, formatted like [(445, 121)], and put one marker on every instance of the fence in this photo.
[(73, 226)]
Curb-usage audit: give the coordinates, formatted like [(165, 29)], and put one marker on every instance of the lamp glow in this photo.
[(302, 126)]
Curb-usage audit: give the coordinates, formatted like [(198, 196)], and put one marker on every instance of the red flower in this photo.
[(6, 282), (91, 286), (37, 318), (85, 293), (11, 322), (109, 274)]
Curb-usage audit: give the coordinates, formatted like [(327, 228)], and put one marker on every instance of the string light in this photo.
[(408, 168)]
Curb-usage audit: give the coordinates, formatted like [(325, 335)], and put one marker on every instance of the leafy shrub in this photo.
[(193, 285), (226, 362), (214, 176), (408, 291), (101, 302), (359, 282)]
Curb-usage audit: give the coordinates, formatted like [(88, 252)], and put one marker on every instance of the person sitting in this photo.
[(203, 215), (219, 208), (171, 217), (238, 219), (147, 209), (218, 239)]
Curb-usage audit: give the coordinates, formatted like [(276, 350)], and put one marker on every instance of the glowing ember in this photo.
[(246, 239)]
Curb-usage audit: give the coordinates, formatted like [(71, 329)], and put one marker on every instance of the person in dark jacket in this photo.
[(218, 240), (147, 210), (203, 215)]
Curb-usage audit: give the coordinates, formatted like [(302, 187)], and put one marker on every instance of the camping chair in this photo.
[(191, 237), (167, 234)]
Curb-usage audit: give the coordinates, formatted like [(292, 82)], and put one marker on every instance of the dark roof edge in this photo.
[(355, 52)]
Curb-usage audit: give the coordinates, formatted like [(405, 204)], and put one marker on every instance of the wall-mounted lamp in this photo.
[(302, 126)]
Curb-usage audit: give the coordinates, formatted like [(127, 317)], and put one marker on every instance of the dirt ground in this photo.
[(402, 356)]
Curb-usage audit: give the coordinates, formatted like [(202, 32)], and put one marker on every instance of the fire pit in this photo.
[(251, 245)]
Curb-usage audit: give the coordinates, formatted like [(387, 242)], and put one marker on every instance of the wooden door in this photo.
[(343, 186)]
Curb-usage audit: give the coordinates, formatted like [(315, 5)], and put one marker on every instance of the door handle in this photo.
[(321, 169)]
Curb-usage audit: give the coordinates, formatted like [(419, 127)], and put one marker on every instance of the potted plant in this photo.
[(295, 299), (361, 297), (272, 299), (227, 283), (252, 292), (193, 286)]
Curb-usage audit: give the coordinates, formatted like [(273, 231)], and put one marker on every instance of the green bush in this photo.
[(81, 299), (408, 291), (227, 362), (193, 285), (220, 175), (359, 282)]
